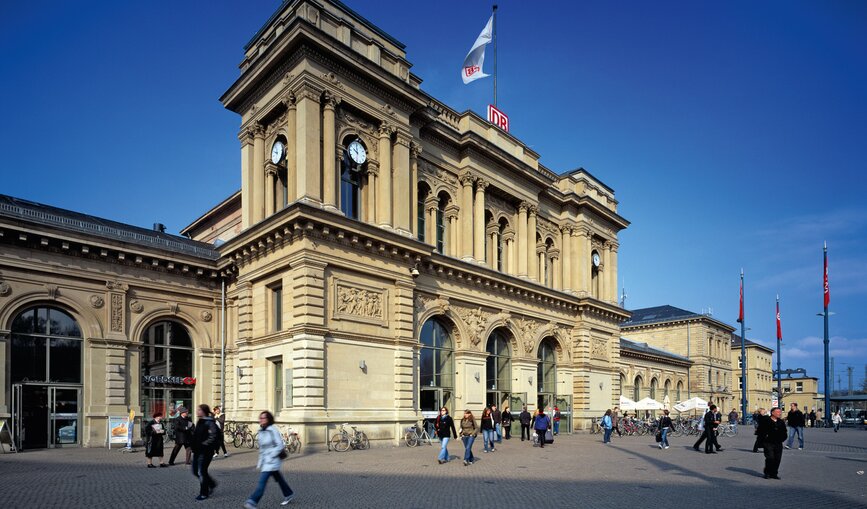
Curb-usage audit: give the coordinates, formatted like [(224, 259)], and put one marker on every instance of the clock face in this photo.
[(277, 152), (596, 259), (357, 152)]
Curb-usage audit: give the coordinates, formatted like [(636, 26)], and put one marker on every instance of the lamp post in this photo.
[(743, 358)]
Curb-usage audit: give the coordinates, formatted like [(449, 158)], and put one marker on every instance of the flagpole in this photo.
[(743, 358), (495, 53), (779, 368), (826, 299)]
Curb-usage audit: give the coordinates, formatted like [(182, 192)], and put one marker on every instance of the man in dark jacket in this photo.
[(525, 417), (498, 423), (204, 444), (183, 435), (712, 419), (796, 421), (772, 433)]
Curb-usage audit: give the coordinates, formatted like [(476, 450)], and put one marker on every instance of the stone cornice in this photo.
[(628, 353)]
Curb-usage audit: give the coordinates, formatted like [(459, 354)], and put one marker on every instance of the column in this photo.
[(414, 152), (493, 232), (258, 173), (431, 206), (370, 192), (479, 221), (291, 163), (467, 180), (584, 264), (384, 203), (270, 188), (452, 243), (307, 149), (614, 247), (329, 152), (566, 261), (557, 276), (609, 285), (523, 250), (403, 193), (578, 260), (540, 259), (510, 252), (247, 144), (533, 269)]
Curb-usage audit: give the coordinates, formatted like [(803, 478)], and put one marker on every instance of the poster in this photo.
[(130, 426), (118, 430)]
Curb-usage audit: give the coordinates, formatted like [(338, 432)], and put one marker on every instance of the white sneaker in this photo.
[(800, 448), (249, 505), (666, 447), (787, 447), (287, 499), (226, 455)]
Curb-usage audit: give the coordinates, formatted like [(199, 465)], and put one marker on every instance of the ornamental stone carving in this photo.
[(206, 316), (136, 306), (5, 289), (116, 312), (433, 174), (475, 321), (528, 328), (97, 301), (599, 349), (359, 302), (423, 301)]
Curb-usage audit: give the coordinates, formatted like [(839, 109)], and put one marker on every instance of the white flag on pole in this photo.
[(472, 69)]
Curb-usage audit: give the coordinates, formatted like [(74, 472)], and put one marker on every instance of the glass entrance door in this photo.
[(45, 416), (564, 403), (64, 404)]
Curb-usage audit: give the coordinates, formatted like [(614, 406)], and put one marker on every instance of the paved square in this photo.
[(576, 471)]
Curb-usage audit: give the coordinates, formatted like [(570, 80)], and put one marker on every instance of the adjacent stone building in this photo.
[(386, 255), (801, 389), (760, 375), (651, 372)]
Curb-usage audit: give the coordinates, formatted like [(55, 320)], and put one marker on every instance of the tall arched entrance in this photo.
[(546, 374), (436, 368), (498, 370), (167, 376), (45, 368)]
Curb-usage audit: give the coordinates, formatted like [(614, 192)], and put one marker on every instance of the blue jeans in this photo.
[(664, 442), (444, 449), (556, 427), (263, 479), (499, 433), (607, 437), (796, 431), (488, 438), (468, 448)]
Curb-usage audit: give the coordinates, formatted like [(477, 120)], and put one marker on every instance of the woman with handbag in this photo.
[(272, 452), (155, 432)]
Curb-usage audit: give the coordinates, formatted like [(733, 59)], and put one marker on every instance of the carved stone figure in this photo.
[(359, 302)]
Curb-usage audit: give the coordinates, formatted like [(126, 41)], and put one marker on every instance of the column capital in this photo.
[(492, 228), (372, 168), (523, 207), (431, 203), (385, 130), (508, 236), (467, 178), (554, 253), (403, 138), (481, 185), (331, 100), (288, 101), (613, 245), (258, 130), (271, 169), (533, 210), (581, 231), (566, 229), (306, 90), (414, 150), (452, 210), (246, 136)]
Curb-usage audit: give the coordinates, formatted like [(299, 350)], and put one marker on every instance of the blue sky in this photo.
[(732, 132)]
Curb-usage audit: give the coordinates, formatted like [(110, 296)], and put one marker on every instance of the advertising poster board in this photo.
[(118, 429)]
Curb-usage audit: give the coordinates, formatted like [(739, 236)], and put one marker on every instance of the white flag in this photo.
[(472, 69)]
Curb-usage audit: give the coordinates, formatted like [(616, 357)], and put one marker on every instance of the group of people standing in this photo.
[(494, 426), (203, 441)]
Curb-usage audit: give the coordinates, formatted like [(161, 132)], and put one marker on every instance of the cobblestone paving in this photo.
[(576, 471)]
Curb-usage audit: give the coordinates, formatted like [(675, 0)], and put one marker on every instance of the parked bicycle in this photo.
[(343, 440), (240, 434), (416, 434), (595, 428), (291, 439), (727, 430)]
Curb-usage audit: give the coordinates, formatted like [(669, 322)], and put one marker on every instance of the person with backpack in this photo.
[(443, 425), (556, 418), (272, 452), (524, 417), (608, 426), (541, 424)]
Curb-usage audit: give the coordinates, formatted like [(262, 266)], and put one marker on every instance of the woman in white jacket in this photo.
[(271, 447)]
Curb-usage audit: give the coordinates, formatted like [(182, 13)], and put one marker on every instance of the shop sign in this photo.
[(172, 380), (498, 118)]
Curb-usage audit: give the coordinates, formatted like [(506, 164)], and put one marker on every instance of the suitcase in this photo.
[(549, 437)]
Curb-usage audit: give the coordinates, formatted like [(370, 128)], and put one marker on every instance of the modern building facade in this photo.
[(760, 374), (700, 338), (386, 255)]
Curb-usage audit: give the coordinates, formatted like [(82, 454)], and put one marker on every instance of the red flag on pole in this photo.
[(827, 288), (741, 307), (779, 326)]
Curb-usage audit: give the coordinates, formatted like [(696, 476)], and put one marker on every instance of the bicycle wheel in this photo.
[(249, 440), (411, 439), (363, 442), (340, 442), (237, 440), (294, 444)]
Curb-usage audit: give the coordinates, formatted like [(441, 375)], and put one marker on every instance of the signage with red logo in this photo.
[(170, 380), (498, 118), (472, 69)]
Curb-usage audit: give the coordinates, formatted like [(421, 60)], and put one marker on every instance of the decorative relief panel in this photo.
[(548, 226), (136, 306), (499, 207), (475, 321), (598, 349), (116, 312), (206, 316), (434, 175), (97, 301), (528, 328), (358, 302)]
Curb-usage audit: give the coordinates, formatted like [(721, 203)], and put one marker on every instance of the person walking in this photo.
[(204, 444), (183, 435), (272, 452), (445, 428), (220, 421), (812, 418), (712, 419), (664, 428), (795, 421), (540, 425), (469, 431), (487, 427), (507, 422), (155, 432), (524, 418), (759, 416), (607, 425), (498, 423), (836, 420), (615, 421), (772, 432), (556, 418), (733, 419), (703, 429)]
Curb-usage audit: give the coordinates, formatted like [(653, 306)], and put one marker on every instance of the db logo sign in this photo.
[(473, 69), (189, 381), (498, 118)]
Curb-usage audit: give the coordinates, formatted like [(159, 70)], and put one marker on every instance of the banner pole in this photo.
[(495, 53)]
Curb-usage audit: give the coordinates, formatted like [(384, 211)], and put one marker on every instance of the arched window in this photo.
[(653, 385), (679, 396), (667, 389), (441, 232), (546, 371), (501, 245), (499, 363), (350, 184), (548, 262), (636, 388), (45, 346), (622, 383), (421, 223), (166, 368), (436, 366)]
